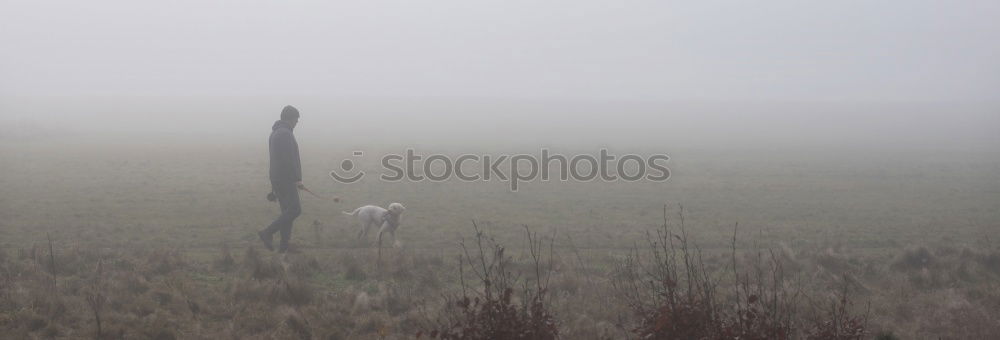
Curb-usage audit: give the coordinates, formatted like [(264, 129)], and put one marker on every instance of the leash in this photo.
[(335, 199)]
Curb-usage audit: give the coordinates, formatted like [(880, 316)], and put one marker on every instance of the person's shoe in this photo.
[(266, 238)]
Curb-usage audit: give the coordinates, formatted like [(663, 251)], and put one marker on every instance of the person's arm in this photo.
[(286, 156), (296, 163)]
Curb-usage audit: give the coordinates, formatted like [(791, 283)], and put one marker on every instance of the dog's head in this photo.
[(396, 208)]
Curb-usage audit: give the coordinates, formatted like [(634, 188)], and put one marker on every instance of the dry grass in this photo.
[(165, 294), (180, 260)]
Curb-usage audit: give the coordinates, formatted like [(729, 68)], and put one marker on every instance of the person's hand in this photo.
[(300, 185)]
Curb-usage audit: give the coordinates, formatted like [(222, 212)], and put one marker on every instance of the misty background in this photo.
[(844, 120), (652, 75)]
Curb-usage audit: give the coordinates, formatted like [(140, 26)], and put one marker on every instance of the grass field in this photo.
[(158, 235)]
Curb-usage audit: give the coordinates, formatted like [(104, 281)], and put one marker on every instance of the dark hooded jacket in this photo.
[(285, 164)]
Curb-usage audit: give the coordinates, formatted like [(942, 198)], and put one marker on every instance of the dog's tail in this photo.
[(352, 213)]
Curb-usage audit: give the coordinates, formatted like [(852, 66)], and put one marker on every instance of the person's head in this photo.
[(290, 114)]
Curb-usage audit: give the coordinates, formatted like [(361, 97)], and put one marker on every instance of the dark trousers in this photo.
[(288, 199)]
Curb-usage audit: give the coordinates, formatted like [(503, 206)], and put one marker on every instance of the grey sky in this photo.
[(627, 50)]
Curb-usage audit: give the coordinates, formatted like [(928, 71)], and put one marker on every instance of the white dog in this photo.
[(386, 219)]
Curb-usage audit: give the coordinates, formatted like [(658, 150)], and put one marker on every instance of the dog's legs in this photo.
[(361, 232), (364, 230), (380, 232)]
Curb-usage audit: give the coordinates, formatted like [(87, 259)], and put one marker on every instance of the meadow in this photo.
[(156, 239)]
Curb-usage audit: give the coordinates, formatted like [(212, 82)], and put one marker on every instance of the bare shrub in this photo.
[(674, 295), (838, 321), (96, 298), (489, 310)]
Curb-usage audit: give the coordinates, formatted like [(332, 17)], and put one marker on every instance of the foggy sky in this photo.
[(632, 50), (915, 74)]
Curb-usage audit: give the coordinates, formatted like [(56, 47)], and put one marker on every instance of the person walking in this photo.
[(286, 178)]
